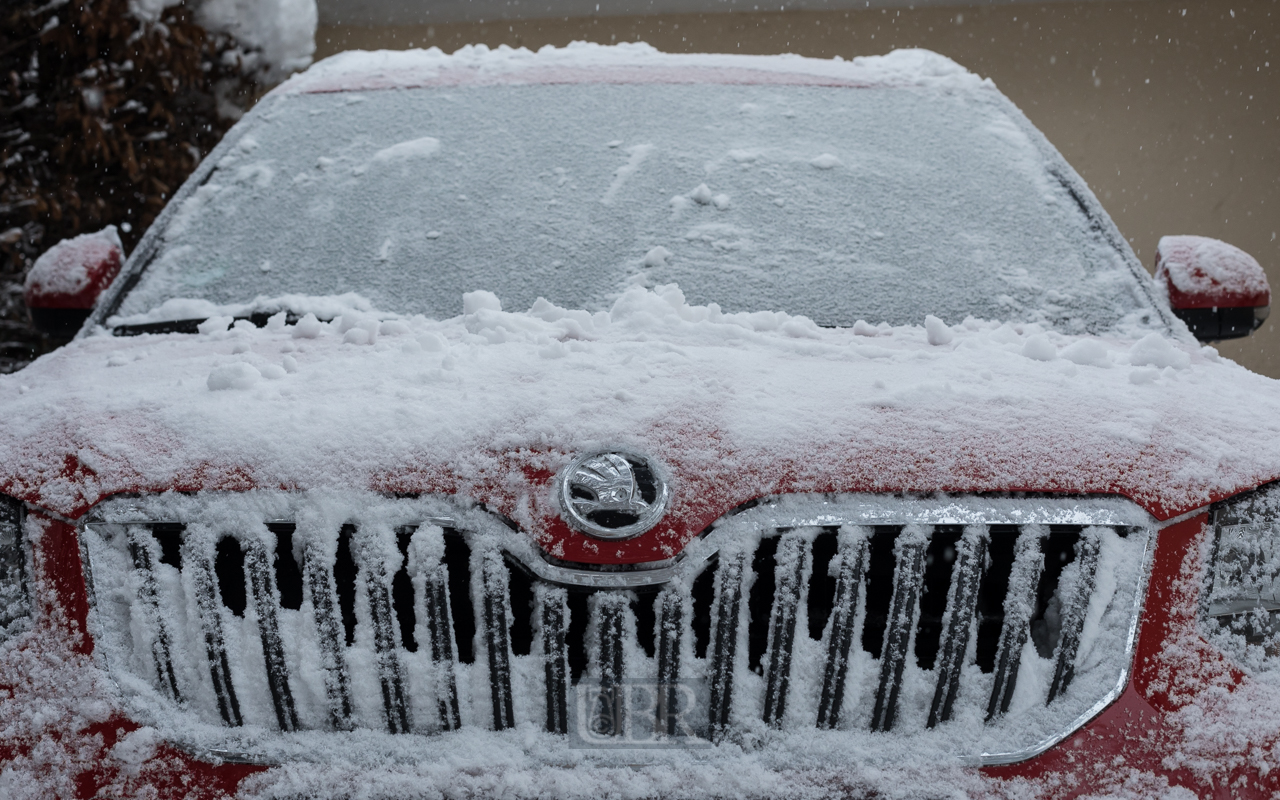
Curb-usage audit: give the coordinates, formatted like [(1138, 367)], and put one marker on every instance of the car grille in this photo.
[(233, 621)]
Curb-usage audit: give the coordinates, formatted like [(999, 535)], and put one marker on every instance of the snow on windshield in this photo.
[(881, 204)]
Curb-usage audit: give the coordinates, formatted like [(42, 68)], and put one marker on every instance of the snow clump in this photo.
[(937, 330), (1157, 351), (233, 376)]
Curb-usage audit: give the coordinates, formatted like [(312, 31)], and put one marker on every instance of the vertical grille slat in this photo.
[(143, 551), (908, 577), (791, 565), (962, 602), (609, 610), (670, 625), (1019, 607), (199, 559), (724, 646), (318, 573), (428, 549), (263, 592), (1074, 609), (554, 619), (852, 560), (377, 585), (494, 588)]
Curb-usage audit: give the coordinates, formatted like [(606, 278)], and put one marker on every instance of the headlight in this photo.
[(15, 606), (1242, 602)]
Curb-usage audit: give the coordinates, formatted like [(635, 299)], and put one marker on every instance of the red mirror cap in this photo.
[(74, 272), (1200, 272)]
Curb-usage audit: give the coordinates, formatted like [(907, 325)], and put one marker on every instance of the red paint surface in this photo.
[(1208, 292), (102, 263), (1172, 665)]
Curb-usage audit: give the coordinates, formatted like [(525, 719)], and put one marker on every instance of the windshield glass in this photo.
[(880, 204)]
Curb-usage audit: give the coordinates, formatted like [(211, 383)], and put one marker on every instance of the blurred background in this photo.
[(1170, 110)]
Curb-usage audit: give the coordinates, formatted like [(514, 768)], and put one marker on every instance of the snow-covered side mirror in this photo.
[(65, 283), (1220, 291)]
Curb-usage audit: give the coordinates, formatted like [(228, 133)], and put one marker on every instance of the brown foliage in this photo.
[(102, 116)]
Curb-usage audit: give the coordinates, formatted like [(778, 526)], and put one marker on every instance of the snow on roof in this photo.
[(625, 62)]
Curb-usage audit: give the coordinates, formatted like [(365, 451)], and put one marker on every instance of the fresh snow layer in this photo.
[(737, 405), (406, 68)]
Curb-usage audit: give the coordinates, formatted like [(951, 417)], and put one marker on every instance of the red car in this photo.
[(834, 443)]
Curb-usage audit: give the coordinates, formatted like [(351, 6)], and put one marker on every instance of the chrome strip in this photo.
[(793, 511)]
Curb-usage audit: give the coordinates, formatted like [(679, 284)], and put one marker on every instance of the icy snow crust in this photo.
[(883, 189), (736, 405)]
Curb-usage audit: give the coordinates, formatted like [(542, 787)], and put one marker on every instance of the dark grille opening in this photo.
[(288, 575), (402, 594), (880, 568), (457, 560), (576, 638), (822, 586), (344, 581), (703, 594), (645, 611), (939, 560), (644, 479), (169, 536), (991, 593), (520, 589), (760, 602), (1059, 549), (228, 565), (613, 519)]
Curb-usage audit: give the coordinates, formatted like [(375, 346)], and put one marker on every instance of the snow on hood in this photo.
[(384, 69), (491, 404)]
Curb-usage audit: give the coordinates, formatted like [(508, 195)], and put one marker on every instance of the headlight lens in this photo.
[(15, 605), (1242, 603)]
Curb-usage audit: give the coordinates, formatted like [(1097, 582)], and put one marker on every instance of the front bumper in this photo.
[(1185, 719)]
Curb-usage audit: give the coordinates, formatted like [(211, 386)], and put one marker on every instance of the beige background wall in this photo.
[(1171, 111)]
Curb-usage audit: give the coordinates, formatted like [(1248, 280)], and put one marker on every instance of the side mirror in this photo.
[(1219, 290), (65, 283)]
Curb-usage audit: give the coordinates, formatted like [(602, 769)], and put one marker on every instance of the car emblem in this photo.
[(614, 495)]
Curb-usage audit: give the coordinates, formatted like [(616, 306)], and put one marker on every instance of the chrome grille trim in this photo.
[(727, 548)]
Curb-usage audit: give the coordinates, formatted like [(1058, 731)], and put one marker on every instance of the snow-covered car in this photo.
[(833, 442)]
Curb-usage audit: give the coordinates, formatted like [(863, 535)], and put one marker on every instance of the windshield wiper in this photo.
[(192, 325)]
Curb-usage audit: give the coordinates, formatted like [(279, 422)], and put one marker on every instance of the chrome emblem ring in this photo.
[(613, 495)]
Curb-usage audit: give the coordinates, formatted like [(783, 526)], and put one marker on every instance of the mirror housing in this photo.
[(65, 283), (1219, 291)]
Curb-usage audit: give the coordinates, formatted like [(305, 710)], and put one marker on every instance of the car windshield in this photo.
[(879, 204)]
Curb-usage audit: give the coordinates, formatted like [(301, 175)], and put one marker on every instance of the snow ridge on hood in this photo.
[(737, 405)]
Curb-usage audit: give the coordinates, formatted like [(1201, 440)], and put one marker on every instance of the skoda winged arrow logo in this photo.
[(613, 495)]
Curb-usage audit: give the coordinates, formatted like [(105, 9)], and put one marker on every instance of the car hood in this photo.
[(491, 405)]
